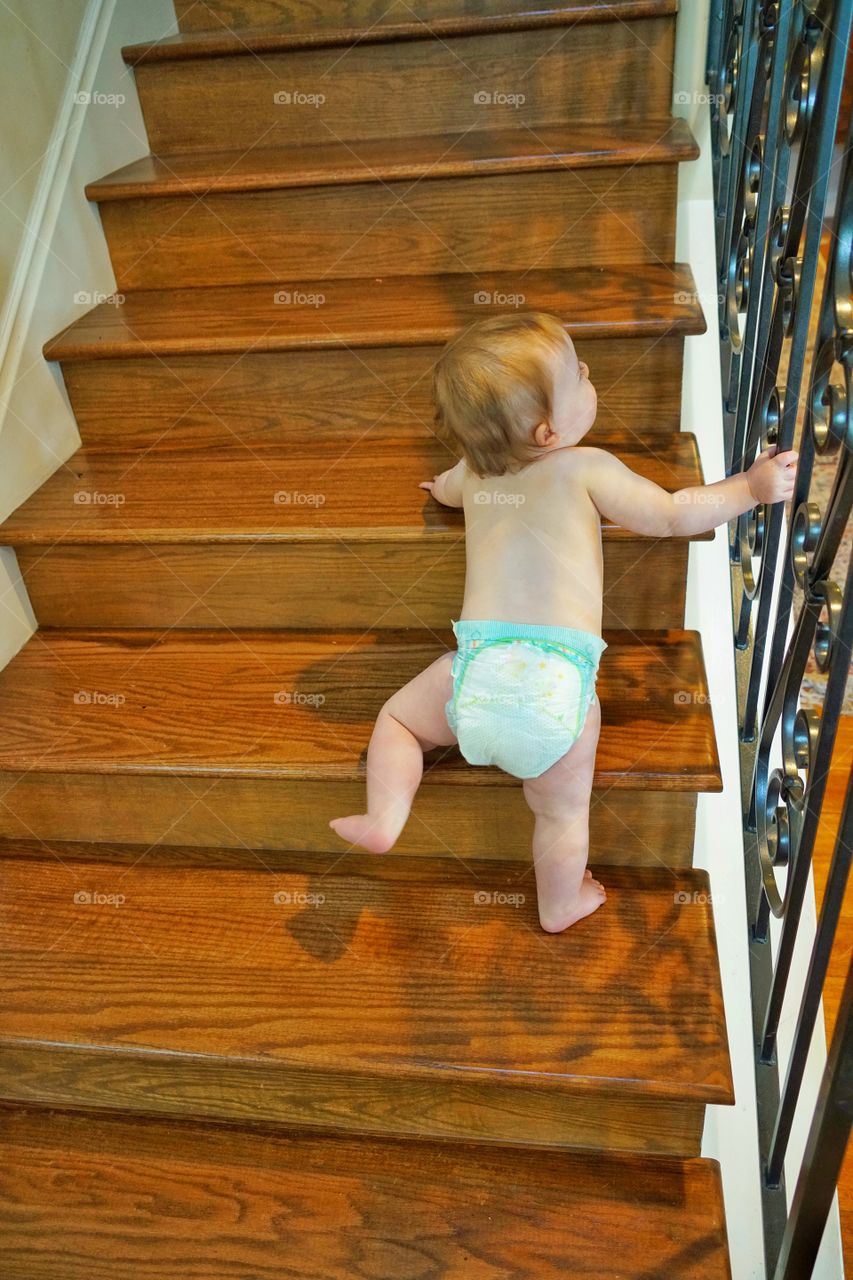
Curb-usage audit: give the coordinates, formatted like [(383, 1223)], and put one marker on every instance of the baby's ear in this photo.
[(543, 434)]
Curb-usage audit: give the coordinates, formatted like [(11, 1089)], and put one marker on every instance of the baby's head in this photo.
[(509, 388)]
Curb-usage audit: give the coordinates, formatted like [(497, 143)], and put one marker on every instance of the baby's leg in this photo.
[(559, 799), (410, 723)]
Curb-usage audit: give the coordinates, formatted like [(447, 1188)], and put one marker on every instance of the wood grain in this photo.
[(212, 402), (210, 102), (313, 15), (304, 492), (575, 145), (643, 300), (368, 23), (501, 222), (161, 541), (236, 1092), (108, 1198), (295, 585), (259, 820), (293, 705), (189, 961)]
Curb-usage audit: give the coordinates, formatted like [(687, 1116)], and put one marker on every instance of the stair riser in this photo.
[(187, 1086), (643, 827), (254, 398), (297, 15), (297, 585), (504, 222), (395, 90)]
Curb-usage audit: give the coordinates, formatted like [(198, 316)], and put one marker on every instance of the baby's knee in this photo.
[(547, 800)]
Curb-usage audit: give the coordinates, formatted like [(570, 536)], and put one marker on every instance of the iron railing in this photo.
[(783, 180)]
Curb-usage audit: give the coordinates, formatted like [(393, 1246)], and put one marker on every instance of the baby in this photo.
[(520, 690)]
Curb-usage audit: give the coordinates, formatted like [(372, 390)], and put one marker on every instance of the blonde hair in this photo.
[(493, 383)]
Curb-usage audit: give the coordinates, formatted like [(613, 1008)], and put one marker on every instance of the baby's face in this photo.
[(575, 399)]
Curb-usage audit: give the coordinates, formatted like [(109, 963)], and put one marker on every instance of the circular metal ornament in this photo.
[(805, 531)]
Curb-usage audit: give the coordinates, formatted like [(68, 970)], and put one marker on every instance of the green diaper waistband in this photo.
[(471, 632)]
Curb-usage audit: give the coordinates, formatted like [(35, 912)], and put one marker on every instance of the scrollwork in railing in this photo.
[(776, 72)]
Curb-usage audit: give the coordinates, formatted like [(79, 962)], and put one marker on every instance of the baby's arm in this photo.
[(638, 504), (447, 488)]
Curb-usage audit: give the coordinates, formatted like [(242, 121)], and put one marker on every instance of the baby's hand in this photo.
[(446, 488), (771, 476)]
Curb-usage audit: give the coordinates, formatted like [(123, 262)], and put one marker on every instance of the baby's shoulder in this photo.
[(589, 454), (582, 459)]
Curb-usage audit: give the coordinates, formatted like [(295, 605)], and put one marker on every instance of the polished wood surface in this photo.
[(574, 145), (212, 402), (327, 967), (645, 300), (612, 843), (232, 1090), (329, 583), (620, 70), (306, 492), (259, 819), (190, 542), (434, 21), (301, 705), (257, 1016), (482, 223), (108, 1198)]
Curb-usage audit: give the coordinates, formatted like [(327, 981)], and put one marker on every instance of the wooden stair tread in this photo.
[(520, 15), (115, 1198), (639, 300), (302, 704), (391, 966), (193, 497), (477, 151)]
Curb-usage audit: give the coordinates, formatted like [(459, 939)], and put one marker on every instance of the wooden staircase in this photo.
[(231, 1048)]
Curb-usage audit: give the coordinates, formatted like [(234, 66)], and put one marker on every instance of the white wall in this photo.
[(730, 1132), (76, 118), (38, 43)]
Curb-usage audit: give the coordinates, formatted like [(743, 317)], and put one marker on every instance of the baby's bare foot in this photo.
[(364, 831), (590, 897)]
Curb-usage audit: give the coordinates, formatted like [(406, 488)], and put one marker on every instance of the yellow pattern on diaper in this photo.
[(520, 674)]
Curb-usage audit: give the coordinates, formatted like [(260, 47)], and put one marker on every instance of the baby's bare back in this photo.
[(533, 545)]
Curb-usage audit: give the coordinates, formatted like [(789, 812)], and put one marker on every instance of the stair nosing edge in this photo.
[(201, 46)]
